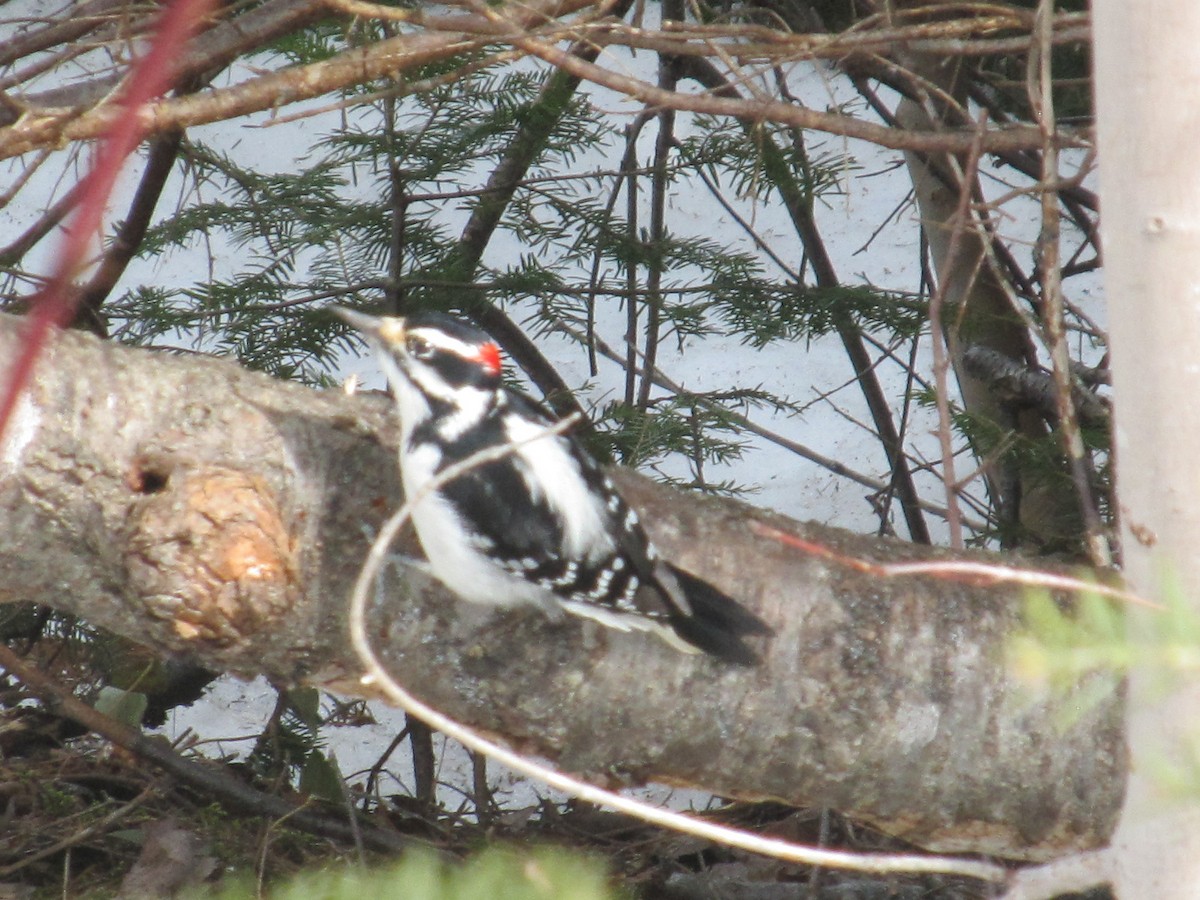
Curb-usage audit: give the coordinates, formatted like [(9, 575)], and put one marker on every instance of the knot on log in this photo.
[(209, 553)]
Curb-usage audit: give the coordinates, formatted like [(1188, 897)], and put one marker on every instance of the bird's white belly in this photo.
[(457, 563)]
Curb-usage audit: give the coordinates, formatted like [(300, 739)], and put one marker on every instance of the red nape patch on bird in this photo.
[(489, 355)]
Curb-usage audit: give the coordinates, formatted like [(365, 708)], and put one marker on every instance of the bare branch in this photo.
[(51, 119), (81, 112)]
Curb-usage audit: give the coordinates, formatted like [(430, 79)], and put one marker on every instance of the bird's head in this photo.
[(433, 352)]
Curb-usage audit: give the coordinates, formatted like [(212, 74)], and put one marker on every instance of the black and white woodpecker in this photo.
[(542, 524)]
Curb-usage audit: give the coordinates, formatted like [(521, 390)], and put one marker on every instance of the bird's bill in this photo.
[(388, 329)]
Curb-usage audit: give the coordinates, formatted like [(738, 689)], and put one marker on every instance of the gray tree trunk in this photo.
[(222, 516), (1034, 506)]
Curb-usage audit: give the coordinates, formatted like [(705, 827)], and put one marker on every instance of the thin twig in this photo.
[(979, 573), (626, 167), (1041, 93), (664, 140), (631, 270), (940, 345)]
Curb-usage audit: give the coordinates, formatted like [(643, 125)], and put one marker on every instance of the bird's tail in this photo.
[(718, 623)]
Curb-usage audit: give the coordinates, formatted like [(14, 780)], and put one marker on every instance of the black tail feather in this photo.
[(718, 623)]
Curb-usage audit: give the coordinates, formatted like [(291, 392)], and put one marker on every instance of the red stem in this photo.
[(150, 77)]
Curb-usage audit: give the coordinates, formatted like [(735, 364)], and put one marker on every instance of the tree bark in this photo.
[(1033, 506), (221, 516), (1147, 127)]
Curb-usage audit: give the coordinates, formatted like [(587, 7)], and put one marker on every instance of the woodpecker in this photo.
[(542, 524)]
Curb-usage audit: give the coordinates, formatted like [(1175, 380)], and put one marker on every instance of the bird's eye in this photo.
[(418, 347)]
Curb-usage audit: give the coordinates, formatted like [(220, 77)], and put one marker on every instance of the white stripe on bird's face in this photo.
[(423, 342), (416, 381)]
